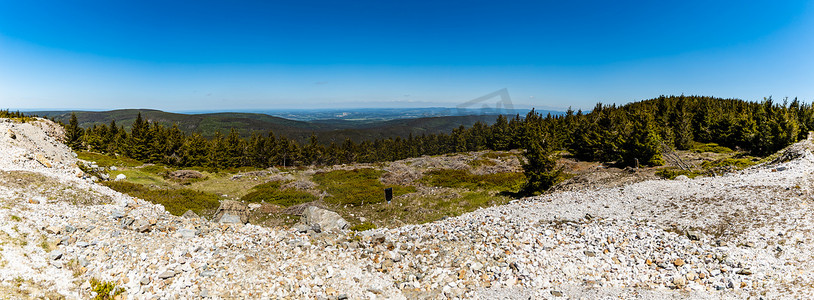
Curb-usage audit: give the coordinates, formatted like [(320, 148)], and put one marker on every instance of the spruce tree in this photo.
[(73, 133), (540, 165)]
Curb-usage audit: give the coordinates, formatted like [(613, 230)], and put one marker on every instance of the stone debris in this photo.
[(121, 177), (635, 244), (185, 174)]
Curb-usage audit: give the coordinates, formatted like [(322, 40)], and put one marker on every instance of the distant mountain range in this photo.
[(365, 125)]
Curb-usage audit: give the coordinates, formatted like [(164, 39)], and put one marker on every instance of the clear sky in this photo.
[(238, 55)]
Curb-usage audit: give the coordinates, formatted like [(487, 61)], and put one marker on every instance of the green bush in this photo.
[(710, 147), (672, 173), (105, 290), (481, 162), (356, 187), (464, 179), (271, 192), (738, 163), (104, 160), (363, 226), (177, 201)]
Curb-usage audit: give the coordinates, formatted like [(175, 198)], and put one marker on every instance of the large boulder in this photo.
[(326, 219), (231, 211)]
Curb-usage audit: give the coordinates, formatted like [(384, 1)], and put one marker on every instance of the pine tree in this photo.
[(540, 165), (73, 133), (644, 145)]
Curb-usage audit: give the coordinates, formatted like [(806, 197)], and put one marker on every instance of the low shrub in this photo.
[(175, 201), (481, 162), (104, 160), (363, 226), (710, 147), (271, 192), (672, 173), (356, 187), (737, 163), (105, 290)]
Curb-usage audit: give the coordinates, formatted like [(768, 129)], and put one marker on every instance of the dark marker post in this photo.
[(388, 194)]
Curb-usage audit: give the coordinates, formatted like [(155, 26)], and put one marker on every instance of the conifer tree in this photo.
[(540, 165), (73, 133)]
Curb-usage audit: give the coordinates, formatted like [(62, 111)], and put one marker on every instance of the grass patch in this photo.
[(16, 218), (223, 183), (175, 201), (104, 160), (673, 172), (271, 192), (363, 226), (710, 147), (481, 161), (139, 176), (737, 163), (356, 187), (463, 179)]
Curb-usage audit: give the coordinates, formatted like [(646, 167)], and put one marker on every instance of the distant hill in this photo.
[(247, 123)]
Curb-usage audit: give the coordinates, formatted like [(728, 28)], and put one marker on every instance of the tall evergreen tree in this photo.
[(73, 133)]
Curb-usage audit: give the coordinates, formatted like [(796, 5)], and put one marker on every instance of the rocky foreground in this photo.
[(745, 235)]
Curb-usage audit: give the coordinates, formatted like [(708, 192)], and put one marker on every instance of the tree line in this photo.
[(626, 135)]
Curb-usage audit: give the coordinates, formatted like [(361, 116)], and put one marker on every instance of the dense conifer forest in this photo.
[(626, 135)]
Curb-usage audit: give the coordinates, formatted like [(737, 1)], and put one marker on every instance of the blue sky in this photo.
[(239, 55)]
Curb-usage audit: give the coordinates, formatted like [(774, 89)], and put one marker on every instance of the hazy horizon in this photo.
[(172, 56)]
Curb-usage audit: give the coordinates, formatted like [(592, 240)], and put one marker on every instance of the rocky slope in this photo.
[(745, 235)]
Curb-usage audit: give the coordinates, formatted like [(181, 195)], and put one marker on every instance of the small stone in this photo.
[(228, 218), (56, 254), (83, 262), (189, 214), (116, 214), (145, 281), (53, 230), (33, 201), (589, 253), (330, 291), (556, 293), (82, 244), (342, 297), (476, 266), (121, 177), (750, 245), (744, 271), (679, 281), (142, 226), (678, 262), (375, 290), (42, 160), (186, 233), (693, 235), (166, 275)]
